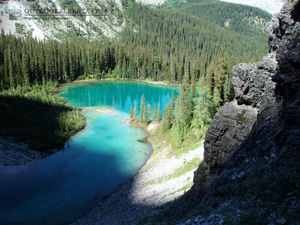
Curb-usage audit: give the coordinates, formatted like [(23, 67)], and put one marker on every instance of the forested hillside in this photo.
[(158, 44), (185, 45), (175, 38), (242, 19)]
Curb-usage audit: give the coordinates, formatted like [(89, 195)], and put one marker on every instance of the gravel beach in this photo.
[(142, 197)]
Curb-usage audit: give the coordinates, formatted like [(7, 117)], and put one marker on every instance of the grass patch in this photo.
[(163, 139), (184, 188)]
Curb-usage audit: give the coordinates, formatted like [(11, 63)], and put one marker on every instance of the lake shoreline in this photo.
[(141, 182), (15, 157), (146, 194), (162, 83)]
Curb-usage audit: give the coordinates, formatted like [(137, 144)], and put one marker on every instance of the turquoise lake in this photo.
[(94, 163)]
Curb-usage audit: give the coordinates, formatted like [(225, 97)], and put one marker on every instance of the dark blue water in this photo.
[(95, 162)]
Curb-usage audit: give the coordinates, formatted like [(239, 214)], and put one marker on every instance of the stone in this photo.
[(281, 221), (253, 85), (255, 138), (228, 129), (202, 220)]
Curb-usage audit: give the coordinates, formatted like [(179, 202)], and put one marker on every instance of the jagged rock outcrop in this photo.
[(251, 173), (232, 124), (230, 127)]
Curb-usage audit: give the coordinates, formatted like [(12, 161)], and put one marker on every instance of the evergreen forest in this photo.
[(192, 44)]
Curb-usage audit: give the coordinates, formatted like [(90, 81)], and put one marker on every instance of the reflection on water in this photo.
[(118, 95)]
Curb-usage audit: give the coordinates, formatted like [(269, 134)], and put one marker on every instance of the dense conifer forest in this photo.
[(187, 45)]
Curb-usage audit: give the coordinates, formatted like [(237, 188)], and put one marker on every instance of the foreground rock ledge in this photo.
[(251, 170)]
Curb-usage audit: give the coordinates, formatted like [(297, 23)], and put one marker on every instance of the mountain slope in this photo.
[(271, 6), (240, 18), (56, 19)]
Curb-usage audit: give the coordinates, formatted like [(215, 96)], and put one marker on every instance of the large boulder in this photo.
[(229, 128)]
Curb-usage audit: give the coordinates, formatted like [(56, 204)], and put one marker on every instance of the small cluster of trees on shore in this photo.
[(146, 113), (190, 113)]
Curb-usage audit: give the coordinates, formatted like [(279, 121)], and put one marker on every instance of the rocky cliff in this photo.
[(58, 19), (252, 149)]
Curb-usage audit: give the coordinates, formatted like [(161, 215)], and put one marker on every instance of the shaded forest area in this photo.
[(37, 116)]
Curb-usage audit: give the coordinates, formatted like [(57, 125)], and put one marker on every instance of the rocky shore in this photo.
[(156, 184), (15, 157)]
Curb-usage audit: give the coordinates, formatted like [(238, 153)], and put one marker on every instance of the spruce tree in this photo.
[(25, 68), (158, 113), (145, 117), (203, 109), (143, 111), (131, 113), (193, 84), (154, 112), (135, 110), (149, 111), (183, 109)]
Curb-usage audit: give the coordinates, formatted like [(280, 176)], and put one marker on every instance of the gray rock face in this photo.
[(253, 84), (232, 124), (229, 128), (254, 158), (255, 87)]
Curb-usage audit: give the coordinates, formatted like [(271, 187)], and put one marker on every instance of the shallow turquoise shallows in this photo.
[(95, 162)]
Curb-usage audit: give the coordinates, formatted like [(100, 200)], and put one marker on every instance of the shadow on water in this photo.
[(95, 162), (64, 186), (67, 184)]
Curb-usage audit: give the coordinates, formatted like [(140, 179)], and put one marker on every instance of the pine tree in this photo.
[(25, 68), (193, 84), (154, 112), (185, 100), (203, 109), (131, 113), (216, 100), (183, 109), (149, 111), (145, 116), (166, 121), (135, 110), (11, 69), (164, 125), (66, 61), (158, 113), (143, 111), (172, 101)]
